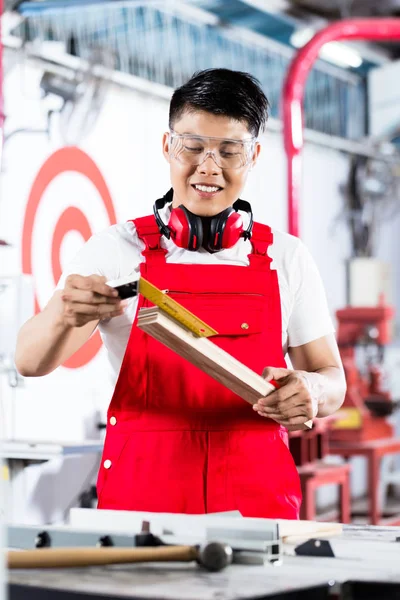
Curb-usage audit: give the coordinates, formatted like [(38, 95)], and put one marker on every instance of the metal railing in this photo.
[(164, 43)]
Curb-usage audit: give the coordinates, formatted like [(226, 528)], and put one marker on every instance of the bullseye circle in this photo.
[(69, 159)]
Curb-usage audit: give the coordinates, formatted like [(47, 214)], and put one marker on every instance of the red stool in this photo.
[(307, 447), (373, 451), (316, 475)]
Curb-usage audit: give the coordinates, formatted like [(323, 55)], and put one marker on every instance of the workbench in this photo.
[(366, 560), (32, 451), (22, 457)]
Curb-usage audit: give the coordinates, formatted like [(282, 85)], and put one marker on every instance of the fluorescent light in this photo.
[(300, 37), (273, 6), (341, 55), (334, 52)]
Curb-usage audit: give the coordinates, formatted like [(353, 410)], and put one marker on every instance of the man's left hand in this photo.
[(294, 402)]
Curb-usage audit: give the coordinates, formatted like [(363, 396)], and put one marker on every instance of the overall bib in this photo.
[(176, 440)]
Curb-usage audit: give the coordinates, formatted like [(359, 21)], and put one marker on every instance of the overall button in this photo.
[(113, 421), (245, 326), (107, 464)]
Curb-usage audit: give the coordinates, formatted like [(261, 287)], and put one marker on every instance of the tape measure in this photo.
[(175, 310)]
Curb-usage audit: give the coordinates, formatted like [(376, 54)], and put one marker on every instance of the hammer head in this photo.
[(214, 556)]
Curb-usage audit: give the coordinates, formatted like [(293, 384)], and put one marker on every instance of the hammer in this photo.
[(213, 556)]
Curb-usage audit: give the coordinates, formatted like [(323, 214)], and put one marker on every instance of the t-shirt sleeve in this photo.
[(310, 317), (98, 256)]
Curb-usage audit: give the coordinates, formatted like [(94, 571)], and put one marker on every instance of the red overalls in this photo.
[(178, 441)]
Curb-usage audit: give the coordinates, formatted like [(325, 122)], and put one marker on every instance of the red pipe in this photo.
[(293, 93)]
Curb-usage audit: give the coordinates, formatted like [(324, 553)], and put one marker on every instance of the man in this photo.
[(176, 440)]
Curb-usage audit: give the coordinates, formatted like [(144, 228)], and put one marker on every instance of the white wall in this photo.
[(384, 97), (126, 146)]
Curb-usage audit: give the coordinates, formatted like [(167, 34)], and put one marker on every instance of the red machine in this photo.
[(363, 332)]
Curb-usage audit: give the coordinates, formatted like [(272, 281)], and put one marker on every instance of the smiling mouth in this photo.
[(207, 189)]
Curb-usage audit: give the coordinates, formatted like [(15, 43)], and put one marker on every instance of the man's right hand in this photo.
[(88, 299)]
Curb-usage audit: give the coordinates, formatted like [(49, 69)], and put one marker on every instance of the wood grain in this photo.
[(293, 532), (208, 357)]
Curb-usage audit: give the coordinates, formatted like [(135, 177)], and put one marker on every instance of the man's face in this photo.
[(186, 178)]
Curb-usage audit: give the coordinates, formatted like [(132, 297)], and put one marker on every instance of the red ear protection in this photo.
[(186, 228), (225, 230)]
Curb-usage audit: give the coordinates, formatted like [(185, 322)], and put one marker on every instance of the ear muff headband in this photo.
[(186, 228)]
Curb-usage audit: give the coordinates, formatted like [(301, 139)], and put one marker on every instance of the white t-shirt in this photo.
[(116, 252)]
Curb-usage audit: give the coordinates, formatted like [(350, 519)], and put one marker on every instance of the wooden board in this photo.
[(293, 532), (208, 357)]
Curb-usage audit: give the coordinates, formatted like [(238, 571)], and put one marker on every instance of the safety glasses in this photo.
[(193, 150)]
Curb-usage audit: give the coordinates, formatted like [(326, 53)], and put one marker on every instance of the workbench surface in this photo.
[(362, 553)]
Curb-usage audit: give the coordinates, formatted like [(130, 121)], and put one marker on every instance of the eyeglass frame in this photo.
[(252, 140)]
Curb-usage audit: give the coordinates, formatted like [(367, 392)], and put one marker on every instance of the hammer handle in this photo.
[(44, 558)]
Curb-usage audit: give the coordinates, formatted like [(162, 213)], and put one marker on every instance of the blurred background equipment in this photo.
[(82, 92), (372, 196), (366, 325), (377, 30), (165, 42), (368, 401)]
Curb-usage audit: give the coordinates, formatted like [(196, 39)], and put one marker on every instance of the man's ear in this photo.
[(165, 146), (257, 150)]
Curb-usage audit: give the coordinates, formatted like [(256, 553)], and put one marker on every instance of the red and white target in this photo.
[(69, 199)]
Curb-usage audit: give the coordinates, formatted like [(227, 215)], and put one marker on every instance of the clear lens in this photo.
[(228, 154)]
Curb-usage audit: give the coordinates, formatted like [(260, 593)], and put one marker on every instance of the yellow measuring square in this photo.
[(175, 310)]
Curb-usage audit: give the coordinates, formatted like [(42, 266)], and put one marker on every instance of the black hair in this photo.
[(233, 94)]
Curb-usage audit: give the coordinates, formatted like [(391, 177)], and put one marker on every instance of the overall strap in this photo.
[(148, 232), (261, 239)]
